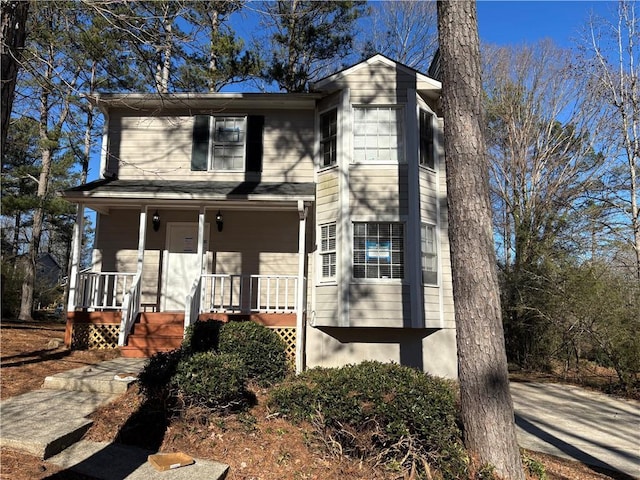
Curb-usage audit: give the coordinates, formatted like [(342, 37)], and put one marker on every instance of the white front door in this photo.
[(181, 265)]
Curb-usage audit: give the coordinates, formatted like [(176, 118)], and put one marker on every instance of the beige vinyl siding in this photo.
[(326, 306), (288, 146), (428, 196), (378, 190), (118, 247), (379, 305), (159, 148), (327, 196), (257, 243), (380, 84)]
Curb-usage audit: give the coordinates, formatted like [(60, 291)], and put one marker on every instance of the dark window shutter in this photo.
[(255, 126), (427, 157), (200, 147)]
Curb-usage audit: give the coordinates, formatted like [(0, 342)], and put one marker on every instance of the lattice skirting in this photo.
[(288, 334), (103, 336)]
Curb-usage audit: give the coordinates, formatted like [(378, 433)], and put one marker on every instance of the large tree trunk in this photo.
[(14, 18), (487, 407)]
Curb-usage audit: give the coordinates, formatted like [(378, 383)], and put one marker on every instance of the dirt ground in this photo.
[(257, 444)]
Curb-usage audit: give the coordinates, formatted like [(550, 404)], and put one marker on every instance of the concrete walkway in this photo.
[(578, 424), (50, 423)]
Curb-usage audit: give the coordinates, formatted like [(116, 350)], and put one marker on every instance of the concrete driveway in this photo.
[(578, 424)]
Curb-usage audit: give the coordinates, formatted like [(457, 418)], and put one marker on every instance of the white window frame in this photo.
[(373, 250), (214, 142), (362, 135), (429, 253), (325, 251), (331, 139)]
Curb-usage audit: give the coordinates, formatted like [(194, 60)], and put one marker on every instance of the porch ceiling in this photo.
[(101, 194)]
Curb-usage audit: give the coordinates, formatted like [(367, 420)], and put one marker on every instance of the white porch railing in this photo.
[(245, 294), (130, 309), (102, 290)]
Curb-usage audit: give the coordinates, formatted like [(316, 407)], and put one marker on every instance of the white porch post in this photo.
[(76, 249), (142, 235), (201, 262), (300, 294)]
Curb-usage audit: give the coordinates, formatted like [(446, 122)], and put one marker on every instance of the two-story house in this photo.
[(321, 214)]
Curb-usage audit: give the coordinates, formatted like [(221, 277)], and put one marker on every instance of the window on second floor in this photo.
[(378, 250), (427, 157), (227, 143), (227, 152), (429, 255), (328, 251), (377, 134), (328, 138)]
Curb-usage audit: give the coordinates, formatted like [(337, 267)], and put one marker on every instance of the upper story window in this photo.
[(427, 156), (429, 255), (378, 250), (228, 148), (377, 134), (328, 138), (328, 251), (227, 143)]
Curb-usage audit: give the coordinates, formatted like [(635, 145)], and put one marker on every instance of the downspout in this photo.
[(300, 293)]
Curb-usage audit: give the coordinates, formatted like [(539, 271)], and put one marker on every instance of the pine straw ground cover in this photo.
[(257, 444)]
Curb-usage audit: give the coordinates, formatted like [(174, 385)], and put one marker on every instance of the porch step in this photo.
[(154, 332)]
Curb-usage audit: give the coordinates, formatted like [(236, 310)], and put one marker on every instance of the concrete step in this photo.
[(97, 378), (111, 461), (45, 422)]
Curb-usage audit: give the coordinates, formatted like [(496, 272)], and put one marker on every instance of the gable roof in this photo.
[(423, 82)]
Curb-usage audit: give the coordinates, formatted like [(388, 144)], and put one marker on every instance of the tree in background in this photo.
[(404, 31), (544, 172), (611, 56), (221, 59), (308, 39), (14, 19), (485, 400)]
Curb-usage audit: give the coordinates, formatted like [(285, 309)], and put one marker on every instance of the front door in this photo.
[(181, 265)]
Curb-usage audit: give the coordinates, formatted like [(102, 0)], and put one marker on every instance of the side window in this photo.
[(427, 157), (429, 255), (378, 250), (378, 134), (328, 138), (328, 251)]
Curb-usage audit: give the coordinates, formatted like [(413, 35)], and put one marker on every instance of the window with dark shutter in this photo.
[(200, 146)]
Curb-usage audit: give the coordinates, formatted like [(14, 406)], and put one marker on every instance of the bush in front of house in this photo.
[(213, 366), (154, 379), (201, 336), (262, 350), (211, 380), (386, 411)]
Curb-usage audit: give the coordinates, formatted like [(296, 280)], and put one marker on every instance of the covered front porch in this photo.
[(233, 259)]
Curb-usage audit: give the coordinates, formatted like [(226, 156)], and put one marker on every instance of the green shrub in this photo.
[(211, 380), (201, 336), (155, 377), (261, 349), (382, 410)]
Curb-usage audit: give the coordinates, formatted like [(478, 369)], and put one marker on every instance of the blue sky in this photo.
[(518, 22)]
